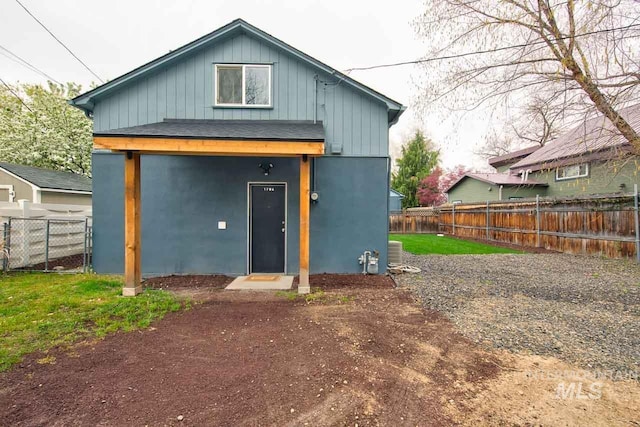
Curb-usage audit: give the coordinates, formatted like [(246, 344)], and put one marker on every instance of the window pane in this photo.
[(573, 171), (257, 85), (229, 85)]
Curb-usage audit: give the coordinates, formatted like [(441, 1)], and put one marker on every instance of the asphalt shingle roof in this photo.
[(592, 136), (46, 178), (512, 156), (268, 130)]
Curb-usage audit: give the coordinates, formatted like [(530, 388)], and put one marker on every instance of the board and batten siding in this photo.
[(184, 90)]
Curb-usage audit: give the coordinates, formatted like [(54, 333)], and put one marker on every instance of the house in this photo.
[(480, 187), (395, 200), (238, 154), (592, 158), (38, 185)]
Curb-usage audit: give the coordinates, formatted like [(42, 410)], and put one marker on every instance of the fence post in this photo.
[(538, 220), (404, 221), (8, 243), (488, 219), (5, 246), (46, 247), (84, 252), (453, 220), (637, 218)]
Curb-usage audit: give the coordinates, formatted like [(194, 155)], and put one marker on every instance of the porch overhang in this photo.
[(209, 138), (208, 147), (217, 138)]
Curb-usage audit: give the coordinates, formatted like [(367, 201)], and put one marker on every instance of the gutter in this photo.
[(397, 116)]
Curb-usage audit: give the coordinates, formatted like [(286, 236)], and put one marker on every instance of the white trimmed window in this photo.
[(243, 85), (572, 171)]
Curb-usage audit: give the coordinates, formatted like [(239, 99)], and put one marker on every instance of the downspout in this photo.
[(313, 174), (315, 99), (500, 192)]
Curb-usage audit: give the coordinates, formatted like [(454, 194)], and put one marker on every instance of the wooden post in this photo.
[(637, 220), (488, 221), (538, 240), (132, 285), (305, 201)]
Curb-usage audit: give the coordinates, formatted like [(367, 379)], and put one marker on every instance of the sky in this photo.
[(112, 37)]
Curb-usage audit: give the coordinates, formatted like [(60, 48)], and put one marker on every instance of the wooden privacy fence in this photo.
[(415, 220), (603, 225)]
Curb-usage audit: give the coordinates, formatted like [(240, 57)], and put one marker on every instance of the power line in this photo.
[(26, 64), (15, 94), (59, 41), (481, 52)]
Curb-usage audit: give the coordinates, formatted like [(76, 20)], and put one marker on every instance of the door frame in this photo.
[(286, 220)]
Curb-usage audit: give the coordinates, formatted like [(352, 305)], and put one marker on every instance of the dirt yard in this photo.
[(365, 354)]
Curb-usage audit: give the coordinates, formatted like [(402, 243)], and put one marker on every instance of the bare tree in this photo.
[(496, 144), (552, 61)]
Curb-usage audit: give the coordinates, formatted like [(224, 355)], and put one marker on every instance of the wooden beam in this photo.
[(132, 276), (305, 202), (212, 147)]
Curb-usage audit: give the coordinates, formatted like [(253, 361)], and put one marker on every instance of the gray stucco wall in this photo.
[(184, 197), (184, 90)]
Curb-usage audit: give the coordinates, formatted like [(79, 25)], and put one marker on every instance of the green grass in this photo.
[(431, 244), (40, 311)]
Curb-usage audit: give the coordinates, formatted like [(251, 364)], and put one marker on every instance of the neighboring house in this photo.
[(395, 200), (592, 158), (240, 154), (19, 182), (480, 187)]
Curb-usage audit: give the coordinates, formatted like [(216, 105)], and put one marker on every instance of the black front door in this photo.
[(267, 228)]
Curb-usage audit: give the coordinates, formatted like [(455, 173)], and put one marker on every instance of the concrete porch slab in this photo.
[(261, 282)]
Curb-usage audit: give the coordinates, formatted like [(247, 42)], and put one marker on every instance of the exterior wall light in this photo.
[(266, 167)]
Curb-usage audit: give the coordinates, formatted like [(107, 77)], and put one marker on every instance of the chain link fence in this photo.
[(34, 244)]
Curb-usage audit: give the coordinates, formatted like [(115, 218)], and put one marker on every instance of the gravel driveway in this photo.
[(584, 310)]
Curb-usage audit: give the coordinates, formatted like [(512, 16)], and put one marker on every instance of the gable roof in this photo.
[(593, 137), (49, 179), (513, 156), (269, 130), (85, 101), (393, 192), (497, 179)]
